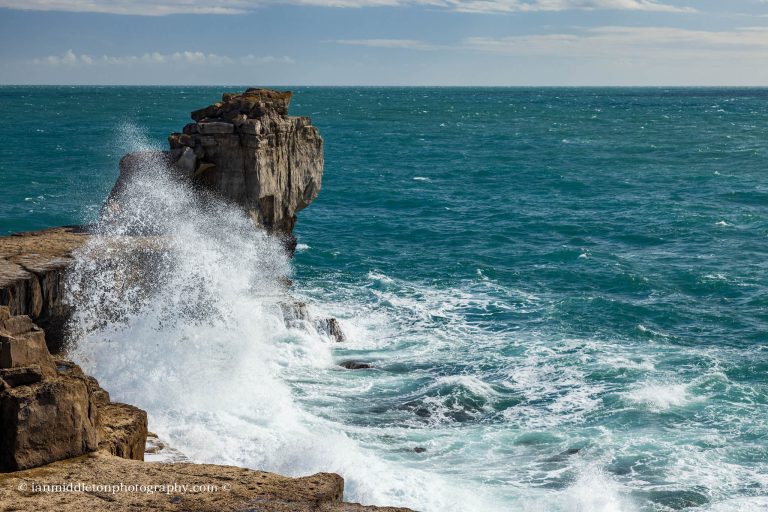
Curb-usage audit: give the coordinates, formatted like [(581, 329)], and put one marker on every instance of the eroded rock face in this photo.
[(247, 149), (46, 415), (46, 421), (296, 315), (50, 410)]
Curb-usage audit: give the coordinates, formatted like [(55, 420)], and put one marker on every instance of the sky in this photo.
[(385, 42)]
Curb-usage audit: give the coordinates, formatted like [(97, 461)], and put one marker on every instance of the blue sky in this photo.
[(385, 42)]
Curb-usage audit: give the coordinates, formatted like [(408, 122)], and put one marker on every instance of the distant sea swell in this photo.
[(562, 291)]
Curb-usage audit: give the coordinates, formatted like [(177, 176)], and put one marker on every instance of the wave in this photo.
[(177, 313), (477, 400)]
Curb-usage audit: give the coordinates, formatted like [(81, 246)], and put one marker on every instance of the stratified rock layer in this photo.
[(247, 149), (32, 267)]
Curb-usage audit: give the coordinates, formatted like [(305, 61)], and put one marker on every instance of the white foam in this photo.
[(745, 504), (660, 396), (593, 491), (224, 381), (643, 328), (204, 350)]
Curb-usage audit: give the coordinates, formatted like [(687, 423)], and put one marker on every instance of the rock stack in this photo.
[(248, 150)]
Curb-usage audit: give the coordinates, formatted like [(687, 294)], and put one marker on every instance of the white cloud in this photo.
[(563, 5), (134, 7), (70, 58), (266, 59), (165, 7)]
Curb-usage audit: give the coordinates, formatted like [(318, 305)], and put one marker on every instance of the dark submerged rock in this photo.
[(355, 365)]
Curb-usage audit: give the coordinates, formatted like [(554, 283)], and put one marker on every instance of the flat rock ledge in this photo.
[(111, 483), (32, 267)]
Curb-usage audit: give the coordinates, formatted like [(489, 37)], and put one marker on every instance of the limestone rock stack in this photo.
[(248, 150)]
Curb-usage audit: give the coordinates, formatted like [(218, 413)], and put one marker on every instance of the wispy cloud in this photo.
[(609, 41), (410, 44), (563, 5), (165, 7), (664, 42), (70, 58)]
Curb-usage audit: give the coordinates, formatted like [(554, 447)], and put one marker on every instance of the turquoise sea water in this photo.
[(563, 291)]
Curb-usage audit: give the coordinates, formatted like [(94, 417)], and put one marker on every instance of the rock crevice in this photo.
[(32, 267)]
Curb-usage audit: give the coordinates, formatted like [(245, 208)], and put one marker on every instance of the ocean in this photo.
[(562, 292)]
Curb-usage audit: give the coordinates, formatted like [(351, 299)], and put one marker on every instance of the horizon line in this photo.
[(465, 86)]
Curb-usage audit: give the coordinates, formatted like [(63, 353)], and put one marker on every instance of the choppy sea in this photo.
[(562, 292)]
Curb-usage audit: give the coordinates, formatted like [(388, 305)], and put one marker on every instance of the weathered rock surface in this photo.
[(219, 488), (50, 410), (32, 269), (247, 149), (331, 328)]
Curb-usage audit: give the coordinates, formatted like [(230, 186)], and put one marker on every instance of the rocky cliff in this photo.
[(50, 410), (57, 425), (245, 148)]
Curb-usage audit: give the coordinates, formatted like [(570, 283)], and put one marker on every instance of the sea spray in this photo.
[(177, 312)]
